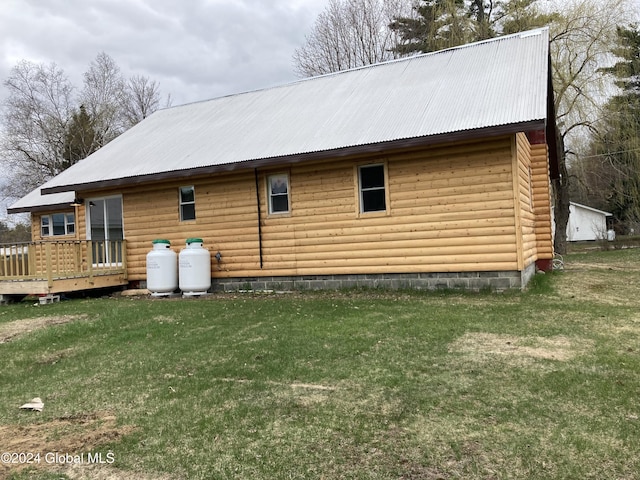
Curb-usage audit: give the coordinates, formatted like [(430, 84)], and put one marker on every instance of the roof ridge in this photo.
[(524, 34)]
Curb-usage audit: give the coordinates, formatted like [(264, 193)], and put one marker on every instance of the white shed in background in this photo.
[(586, 223)]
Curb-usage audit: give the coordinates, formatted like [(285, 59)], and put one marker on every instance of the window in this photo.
[(45, 224), (57, 224), (187, 203), (372, 190), (70, 223), (278, 193), (105, 229)]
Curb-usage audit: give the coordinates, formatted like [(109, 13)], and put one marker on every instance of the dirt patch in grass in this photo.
[(602, 287), (615, 284), (11, 330), (518, 349), (79, 436)]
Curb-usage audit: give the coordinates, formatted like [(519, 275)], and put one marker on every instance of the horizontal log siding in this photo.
[(226, 220), (451, 209), (542, 201), (35, 227), (525, 198)]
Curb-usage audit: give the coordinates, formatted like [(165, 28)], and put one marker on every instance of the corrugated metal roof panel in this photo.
[(36, 199), (497, 82)]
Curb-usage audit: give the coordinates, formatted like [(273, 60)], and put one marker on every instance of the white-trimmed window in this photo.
[(371, 183), (187, 203), (57, 224), (278, 186)]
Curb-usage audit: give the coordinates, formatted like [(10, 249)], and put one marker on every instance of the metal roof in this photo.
[(495, 84), (591, 209), (35, 201)]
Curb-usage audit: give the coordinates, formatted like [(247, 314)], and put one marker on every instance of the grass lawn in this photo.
[(359, 385)]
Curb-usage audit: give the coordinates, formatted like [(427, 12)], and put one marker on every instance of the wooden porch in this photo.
[(43, 268)]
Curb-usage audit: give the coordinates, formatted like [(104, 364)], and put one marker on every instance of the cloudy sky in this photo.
[(195, 49)]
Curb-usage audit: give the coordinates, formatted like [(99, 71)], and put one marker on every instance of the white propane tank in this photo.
[(195, 268), (162, 268)]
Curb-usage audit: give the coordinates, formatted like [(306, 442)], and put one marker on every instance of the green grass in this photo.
[(358, 385)]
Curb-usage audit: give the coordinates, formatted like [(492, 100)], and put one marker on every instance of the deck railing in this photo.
[(62, 259)]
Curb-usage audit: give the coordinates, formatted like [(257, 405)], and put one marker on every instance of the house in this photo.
[(425, 172), (586, 223)]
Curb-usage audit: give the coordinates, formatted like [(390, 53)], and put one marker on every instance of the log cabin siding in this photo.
[(525, 198), (542, 200), (450, 208), (430, 224), (226, 219), (461, 207), (38, 256)]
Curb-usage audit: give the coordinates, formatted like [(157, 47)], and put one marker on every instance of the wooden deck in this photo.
[(42, 268)]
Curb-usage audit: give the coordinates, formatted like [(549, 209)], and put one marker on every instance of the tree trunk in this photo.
[(561, 201)]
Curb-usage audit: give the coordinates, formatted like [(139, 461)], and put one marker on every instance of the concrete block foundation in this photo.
[(471, 281)]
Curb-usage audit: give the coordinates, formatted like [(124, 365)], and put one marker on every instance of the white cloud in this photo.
[(196, 49)]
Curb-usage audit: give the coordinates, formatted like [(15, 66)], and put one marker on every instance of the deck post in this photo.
[(78, 258), (24, 259), (123, 247), (31, 258), (49, 265), (90, 260)]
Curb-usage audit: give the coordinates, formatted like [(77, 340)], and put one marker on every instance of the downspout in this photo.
[(255, 172)]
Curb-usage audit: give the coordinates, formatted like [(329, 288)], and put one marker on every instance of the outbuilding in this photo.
[(587, 223)]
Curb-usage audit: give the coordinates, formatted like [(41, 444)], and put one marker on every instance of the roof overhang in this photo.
[(369, 149), (40, 208), (552, 132)]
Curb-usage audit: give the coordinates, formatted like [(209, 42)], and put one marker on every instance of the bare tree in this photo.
[(609, 177), (142, 99), (582, 38), (115, 103), (46, 129), (104, 97), (348, 34), (35, 118)]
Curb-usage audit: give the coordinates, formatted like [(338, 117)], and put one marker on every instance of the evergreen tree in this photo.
[(440, 24), (81, 138), (618, 144), (18, 233)]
